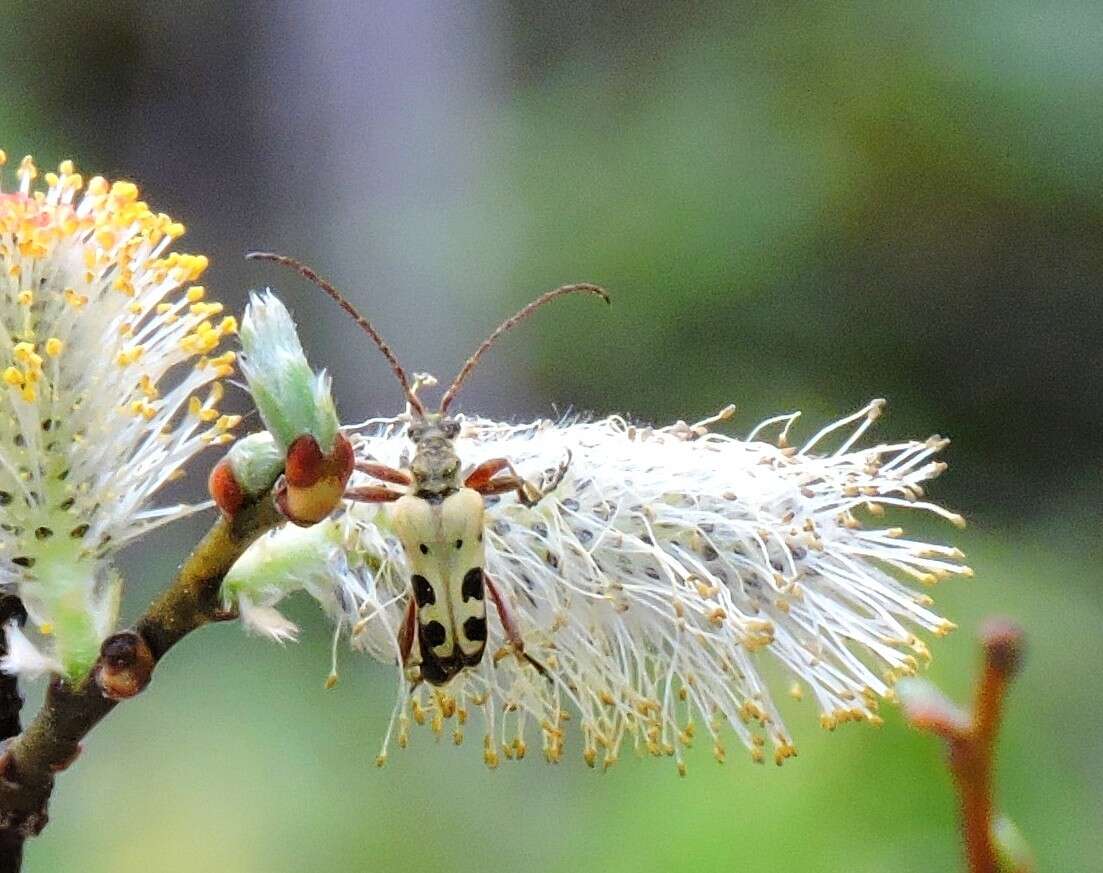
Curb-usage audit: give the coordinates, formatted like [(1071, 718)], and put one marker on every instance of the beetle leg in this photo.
[(480, 477), (484, 480), (372, 494), (385, 473), (510, 627), (406, 631), (551, 478)]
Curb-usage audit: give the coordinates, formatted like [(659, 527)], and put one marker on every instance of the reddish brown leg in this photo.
[(372, 494), (385, 473), (482, 474), (406, 631), (510, 627), (485, 480)]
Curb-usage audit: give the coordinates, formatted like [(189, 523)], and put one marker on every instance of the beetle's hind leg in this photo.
[(513, 634)]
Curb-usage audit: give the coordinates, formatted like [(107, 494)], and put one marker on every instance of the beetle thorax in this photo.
[(435, 465)]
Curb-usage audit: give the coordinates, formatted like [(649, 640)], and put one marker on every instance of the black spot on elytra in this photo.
[(438, 671), (475, 629), (424, 549), (459, 544), (472, 584), (423, 591), (433, 633)]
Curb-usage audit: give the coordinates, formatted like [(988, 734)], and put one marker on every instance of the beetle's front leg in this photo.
[(372, 494), (385, 473), (485, 480), (513, 634)]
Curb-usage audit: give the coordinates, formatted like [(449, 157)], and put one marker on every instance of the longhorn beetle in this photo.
[(439, 516)]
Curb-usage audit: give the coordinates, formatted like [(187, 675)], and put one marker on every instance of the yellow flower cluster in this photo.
[(111, 242)]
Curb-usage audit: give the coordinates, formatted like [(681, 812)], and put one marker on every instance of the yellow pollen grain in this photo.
[(54, 347), (148, 388), (23, 352), (129, 356), (196, 293), (45, 628), (204, 310), (13, 377), (125, 191)]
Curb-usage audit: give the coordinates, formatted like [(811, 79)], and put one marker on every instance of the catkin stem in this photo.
[(52, 741)]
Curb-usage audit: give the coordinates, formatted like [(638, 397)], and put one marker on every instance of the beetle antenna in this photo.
[(305, 271), (562, 290)]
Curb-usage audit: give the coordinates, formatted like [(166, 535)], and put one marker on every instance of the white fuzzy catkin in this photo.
[(661, 576)]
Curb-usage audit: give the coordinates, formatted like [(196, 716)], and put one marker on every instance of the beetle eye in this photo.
[(451, 429)]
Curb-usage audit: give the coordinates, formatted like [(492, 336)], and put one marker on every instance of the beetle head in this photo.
[(435, 466)]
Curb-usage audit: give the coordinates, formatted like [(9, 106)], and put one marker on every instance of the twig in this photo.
[(52, 741), (971, 744), (11, 702)]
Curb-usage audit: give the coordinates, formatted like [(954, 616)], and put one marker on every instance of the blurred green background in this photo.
[(796, 205)]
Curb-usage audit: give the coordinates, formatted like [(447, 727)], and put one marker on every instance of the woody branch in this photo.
[(31, 759)]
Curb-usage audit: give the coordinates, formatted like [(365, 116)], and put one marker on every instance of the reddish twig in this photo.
[(971, 742)]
